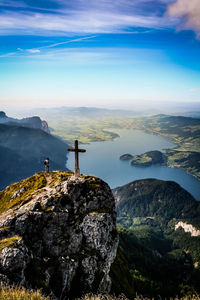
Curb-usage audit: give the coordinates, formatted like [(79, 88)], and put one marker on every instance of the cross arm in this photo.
[(76, 150)]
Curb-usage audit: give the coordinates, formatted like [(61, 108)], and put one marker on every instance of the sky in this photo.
[(110, 53)]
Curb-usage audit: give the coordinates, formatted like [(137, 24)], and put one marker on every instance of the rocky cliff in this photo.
[(31, 122), (58, 233), (188, 228)]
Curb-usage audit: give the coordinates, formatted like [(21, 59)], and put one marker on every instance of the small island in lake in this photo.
[(148, 158), (126, 156)]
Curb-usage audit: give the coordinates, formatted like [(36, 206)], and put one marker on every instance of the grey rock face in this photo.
[(67, 239), (14, 260), (32, 122), (2, 115), (45, 126)]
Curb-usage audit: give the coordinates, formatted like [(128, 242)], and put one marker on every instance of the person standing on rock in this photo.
[(46, 163)]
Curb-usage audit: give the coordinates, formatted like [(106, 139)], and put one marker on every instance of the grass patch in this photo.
[(4, 228), (101, 211), (20, 192), (10, 242), (20, 293), (141, 159), (58, 176)]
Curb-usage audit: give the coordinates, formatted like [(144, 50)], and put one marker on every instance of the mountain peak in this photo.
[(155, 198), (3, 115), (58, 232)]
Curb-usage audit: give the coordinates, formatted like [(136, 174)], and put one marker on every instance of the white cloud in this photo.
[(34, 50), (190, 11), (69, 41), (82, 17), (74, 22), (21, 51)]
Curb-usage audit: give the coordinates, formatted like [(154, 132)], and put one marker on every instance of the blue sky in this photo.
[(99, 53)]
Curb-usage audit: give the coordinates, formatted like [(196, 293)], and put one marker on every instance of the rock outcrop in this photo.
[(31, 122), (3, 115), (188, 228), (58, 233), (35, 122), (45, 126)]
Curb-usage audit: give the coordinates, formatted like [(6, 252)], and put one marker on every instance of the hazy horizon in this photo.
[(185, 109)]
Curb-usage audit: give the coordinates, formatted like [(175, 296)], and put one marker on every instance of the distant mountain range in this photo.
[(82, 112), (24, 144)]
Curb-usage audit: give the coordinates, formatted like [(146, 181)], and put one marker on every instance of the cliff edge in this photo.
[(58, 233)]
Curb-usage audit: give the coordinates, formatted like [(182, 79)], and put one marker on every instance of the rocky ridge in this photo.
[(31, 122), (58, 232)]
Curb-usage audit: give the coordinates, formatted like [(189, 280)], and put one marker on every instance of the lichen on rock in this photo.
[(66, 234)]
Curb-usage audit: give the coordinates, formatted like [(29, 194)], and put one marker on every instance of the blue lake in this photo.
[(102, 159)]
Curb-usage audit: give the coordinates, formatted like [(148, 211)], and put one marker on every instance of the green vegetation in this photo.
[(187, 160), (58, 176), (146, 261), (122, 280), (184, 132), (148, 159), (18, 193), (10, 242), (90, 126), (153, 251), (83, 129), (21, 192), (82, 123), (141, 160)]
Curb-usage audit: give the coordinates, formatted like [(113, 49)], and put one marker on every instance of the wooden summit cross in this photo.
[(76, 150)]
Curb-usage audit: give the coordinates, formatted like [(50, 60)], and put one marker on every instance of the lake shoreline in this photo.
[(176, 147), (102, 160)]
